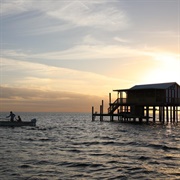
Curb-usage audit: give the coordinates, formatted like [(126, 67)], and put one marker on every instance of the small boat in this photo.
[(18, 124)]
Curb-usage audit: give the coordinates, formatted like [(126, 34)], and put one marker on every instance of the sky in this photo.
[(68, 55)]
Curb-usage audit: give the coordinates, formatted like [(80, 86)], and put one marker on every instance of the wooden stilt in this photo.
[(160, 114), (109, 98), (93, 118), (140, 120), (174, 114), (171, 113), (163, 114), (102, 107), (121, 97), (134, 119), (147, 114), (154, 114), (111, 118), (167, 114), (118, 116)]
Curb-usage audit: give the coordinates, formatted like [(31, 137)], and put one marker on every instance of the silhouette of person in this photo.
[(19, 119), (12, 116)]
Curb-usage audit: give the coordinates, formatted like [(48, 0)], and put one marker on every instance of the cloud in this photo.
[(12, 7), (29, 86), (27, 100), (94, 52), (122, 40), (19, 54), (97, 15), (64, 15), (38, 76), (81, 47)]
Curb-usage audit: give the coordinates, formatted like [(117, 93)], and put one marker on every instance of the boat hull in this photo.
[(18, 124)]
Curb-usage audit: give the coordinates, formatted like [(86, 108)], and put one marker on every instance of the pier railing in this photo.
[(124, 101), (116, 104)]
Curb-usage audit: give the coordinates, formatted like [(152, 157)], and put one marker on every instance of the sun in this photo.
[(167, 69)]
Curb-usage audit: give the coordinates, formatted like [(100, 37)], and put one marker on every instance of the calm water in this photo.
[(70, 146)]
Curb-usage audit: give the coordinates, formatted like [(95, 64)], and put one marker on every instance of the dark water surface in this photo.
[(70, 146)]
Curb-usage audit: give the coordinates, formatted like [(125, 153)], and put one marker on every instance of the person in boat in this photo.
[(12, 116), (19, 119)]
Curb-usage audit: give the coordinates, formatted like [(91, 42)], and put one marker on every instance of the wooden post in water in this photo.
[(100, 112), (160, 114), (147, 114), (167, 114), (154, 114), (121, 101), (118, 115), (171, 113), (109, 102), (93, 118), (111, 118), (163, 115), (109, 98), (102, 108), (174, 114), (126, 110)]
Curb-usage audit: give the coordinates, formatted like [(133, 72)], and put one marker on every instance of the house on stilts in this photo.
[(150, 101)]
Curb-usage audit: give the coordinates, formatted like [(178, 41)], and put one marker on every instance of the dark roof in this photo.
[(153, 86), (149, 86)]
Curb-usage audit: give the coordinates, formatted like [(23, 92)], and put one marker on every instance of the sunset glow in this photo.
[(167, 69), (67, 56)]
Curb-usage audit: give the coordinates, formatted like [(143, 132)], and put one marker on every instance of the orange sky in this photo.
[(68, 56)]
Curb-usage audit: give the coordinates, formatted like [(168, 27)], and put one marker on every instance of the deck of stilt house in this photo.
[(149, 103)]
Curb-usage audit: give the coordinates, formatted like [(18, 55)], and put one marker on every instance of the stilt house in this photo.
[(137, 102)]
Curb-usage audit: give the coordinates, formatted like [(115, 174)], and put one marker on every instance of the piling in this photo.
[(93, 115)]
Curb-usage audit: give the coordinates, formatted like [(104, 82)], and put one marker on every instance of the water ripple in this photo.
[(71, 146)]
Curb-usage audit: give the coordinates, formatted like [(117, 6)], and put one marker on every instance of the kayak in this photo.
[(18, 124)]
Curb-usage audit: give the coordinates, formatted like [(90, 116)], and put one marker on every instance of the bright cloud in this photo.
[(88, 14)]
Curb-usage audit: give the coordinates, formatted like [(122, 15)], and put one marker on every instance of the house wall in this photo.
[(137, 110), (151, 96), (146, 96), (173, 94), (160, 95)]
